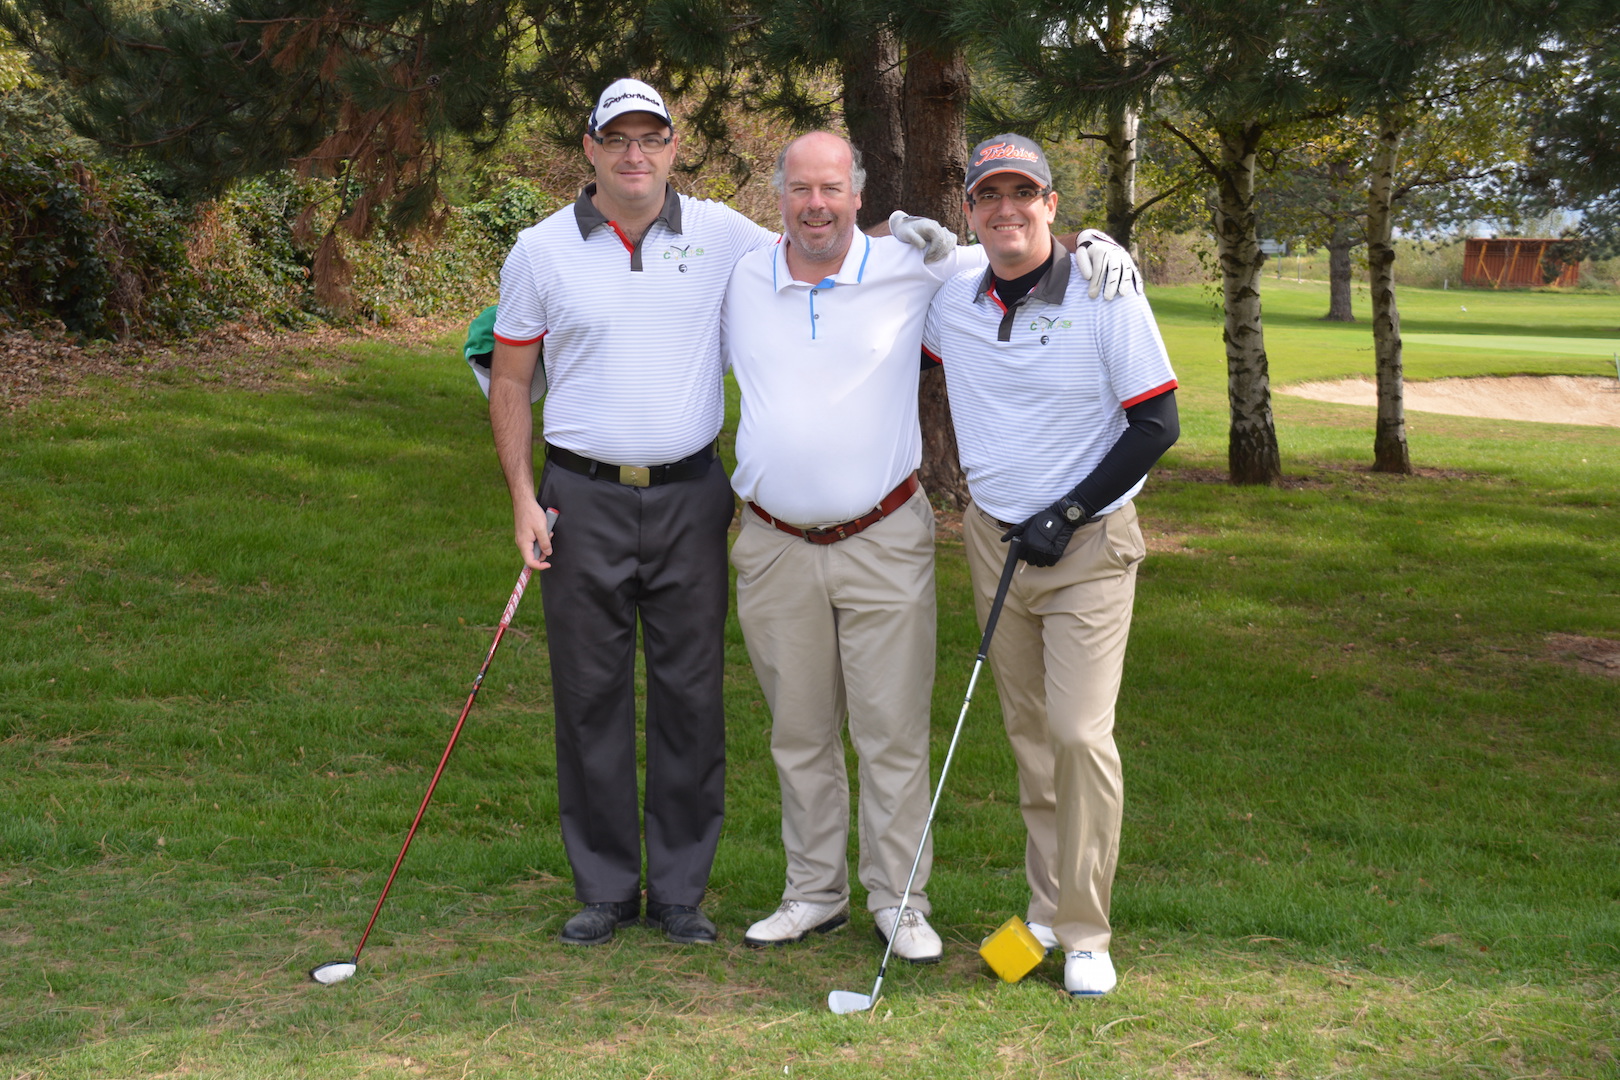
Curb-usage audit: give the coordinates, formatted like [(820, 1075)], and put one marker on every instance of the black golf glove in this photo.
[(1047, 533)]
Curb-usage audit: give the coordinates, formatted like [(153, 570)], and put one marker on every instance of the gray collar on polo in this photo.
[(1052, 287), (588, 218)]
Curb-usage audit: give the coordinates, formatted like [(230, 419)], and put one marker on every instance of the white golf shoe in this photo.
[(1088, 974), (914, 939), (796, 920), (1044, 935)]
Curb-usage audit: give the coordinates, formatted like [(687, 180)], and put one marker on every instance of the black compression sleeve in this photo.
[(1154, 426)]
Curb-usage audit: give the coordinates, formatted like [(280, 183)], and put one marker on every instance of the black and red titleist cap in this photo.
[(1008, 153)]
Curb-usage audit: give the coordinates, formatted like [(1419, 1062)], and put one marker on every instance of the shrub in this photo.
[(91, 243), (87, 243), (520, 204), (243, 247), (255, 259), (1426, 265)]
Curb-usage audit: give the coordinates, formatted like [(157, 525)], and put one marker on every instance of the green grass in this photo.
[(1371, 821)]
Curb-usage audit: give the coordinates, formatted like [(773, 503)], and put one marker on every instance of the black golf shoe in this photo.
[(681, 924), (595, 923)]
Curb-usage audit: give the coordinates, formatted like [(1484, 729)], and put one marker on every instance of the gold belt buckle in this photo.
[(635, 475)]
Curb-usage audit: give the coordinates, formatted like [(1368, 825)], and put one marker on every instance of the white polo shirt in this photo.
[(631, 332), (828, 372), (1038, 395)]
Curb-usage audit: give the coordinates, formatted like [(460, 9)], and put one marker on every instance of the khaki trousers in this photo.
[(835, 629), (1057, 656)]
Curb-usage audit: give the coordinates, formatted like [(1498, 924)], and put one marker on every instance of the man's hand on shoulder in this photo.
[(934, 240), (1106, 265)]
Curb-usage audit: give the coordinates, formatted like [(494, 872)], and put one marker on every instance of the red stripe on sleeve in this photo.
[(935, 357), (1153, 393), (515, 341)]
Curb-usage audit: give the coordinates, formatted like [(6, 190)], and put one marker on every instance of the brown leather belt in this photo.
[(831, 534)]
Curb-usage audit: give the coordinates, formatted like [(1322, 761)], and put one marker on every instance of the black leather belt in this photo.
[(688, 468)]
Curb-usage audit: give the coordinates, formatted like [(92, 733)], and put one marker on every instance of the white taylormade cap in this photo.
[(627, 96)]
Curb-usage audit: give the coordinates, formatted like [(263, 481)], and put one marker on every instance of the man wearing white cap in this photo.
[(835, 559), (625, 289), (1061, 406)]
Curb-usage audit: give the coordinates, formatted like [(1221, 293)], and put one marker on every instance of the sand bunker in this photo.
[(1553, 399)]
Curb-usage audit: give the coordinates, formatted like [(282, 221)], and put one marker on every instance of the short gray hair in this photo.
[(857, 171)]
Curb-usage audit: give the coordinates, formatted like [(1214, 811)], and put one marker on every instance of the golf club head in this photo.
[(333, 971), (844, 1002)]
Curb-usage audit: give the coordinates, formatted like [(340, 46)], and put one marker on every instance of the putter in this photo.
[(848, 1001), (335, 971)]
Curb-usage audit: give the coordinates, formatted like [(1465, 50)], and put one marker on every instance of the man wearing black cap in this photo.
[(1089, 391)]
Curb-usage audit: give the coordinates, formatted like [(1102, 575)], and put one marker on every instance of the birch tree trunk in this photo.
[(1252, 456), (1121, 141), (872, 92), (934, 107), (1390, 453), (1121, 209)]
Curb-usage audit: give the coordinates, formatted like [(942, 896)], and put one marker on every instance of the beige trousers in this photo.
[(1057, 656), (836, 629)]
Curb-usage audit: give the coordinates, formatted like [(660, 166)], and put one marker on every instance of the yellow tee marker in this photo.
[(1012, 951)]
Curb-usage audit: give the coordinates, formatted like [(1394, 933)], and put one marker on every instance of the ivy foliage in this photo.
[(100, 248), (85, 242)]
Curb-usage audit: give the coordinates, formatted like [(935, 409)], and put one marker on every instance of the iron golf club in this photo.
[(848, 1001), (335, 971)]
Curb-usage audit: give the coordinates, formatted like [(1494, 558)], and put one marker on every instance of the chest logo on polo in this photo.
[(680, 254), (1047, 327)]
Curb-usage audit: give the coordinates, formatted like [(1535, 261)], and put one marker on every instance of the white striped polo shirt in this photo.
[(632, 332), (1038, 394), (828, 372)]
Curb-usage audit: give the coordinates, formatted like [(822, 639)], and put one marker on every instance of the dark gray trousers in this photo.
[(658, 553)]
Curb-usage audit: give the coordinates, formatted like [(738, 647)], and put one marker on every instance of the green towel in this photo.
[(481, 336)]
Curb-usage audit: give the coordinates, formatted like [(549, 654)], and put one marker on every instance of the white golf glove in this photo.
[(1105, 264), (934, 240)]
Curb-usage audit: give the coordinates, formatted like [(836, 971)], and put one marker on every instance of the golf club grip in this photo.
[(1001, 595), (551, 527)]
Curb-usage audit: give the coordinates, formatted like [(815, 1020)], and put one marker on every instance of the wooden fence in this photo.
[(1519, 262)]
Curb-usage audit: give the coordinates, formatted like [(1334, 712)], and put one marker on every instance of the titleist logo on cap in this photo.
[(1007, 153), (1005, 150)]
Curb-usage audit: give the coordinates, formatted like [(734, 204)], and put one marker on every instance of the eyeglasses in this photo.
[(615, 143), (1018, 197)]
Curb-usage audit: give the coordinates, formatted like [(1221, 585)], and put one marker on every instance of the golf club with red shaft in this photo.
[(335, 971), (848, 1001)]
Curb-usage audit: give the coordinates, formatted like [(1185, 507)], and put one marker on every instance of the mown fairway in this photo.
[(1371, 824)]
